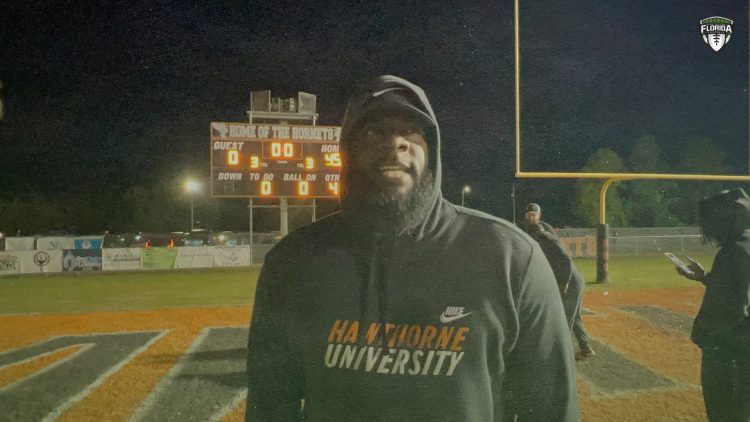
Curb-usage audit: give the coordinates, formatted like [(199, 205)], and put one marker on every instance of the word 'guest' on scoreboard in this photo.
[(270, 161)]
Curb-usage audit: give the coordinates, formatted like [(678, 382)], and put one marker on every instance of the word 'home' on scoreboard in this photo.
[(271, 161)]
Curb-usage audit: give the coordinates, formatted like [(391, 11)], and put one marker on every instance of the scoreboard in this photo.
[(271, 161)]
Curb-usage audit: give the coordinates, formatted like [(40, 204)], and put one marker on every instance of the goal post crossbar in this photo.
[(628, 176)]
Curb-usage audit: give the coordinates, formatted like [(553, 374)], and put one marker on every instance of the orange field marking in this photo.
[(678, 405), (118, 397), (15, 372), (668, 352), (237, 414), (686, 300), (665, 351)]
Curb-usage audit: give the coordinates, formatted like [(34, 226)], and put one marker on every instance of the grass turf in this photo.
[(87, 292), (640, 272)]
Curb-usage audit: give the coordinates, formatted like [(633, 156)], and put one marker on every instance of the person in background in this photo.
[(403, 306), (570, 281), (722, 326), (532, 217)]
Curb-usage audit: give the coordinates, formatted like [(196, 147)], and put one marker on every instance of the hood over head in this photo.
[(390, 95), (725, 215)]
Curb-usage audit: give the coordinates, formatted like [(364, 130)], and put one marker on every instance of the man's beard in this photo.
[(395, 212)]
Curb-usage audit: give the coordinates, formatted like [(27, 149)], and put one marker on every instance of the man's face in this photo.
[(533, 216), (391, 154)]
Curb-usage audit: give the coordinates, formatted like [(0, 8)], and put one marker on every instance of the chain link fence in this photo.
[(581, 242)]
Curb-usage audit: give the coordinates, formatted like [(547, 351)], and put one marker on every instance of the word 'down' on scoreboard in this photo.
[(271, 161)]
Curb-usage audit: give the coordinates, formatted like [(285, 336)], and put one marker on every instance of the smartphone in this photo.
[(678, 262)]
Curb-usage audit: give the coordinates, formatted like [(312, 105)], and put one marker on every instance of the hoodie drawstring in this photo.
[(375, 291)]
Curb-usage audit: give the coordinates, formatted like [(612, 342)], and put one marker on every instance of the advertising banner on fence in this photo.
[(110, 259), (158, 258), (82, 260), (30, 262), (231, 256), (19, 243), (195, 257), (580, 246), (90, 242), (34, 262), (10, 263), (52, 243), (121, 259)]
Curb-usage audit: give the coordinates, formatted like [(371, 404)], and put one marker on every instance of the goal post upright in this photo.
[(602, 250)]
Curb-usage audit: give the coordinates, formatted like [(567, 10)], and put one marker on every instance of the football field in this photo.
[(172, 345)]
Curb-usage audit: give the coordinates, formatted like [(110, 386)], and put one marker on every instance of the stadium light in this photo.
[(464, 191), (192, 187)]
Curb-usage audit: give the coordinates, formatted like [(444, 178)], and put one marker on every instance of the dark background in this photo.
[(102, 98)]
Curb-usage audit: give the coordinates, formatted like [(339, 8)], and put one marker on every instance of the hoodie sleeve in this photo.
[(744, 294), (727, 297), (549, 230), (558, 258), (274, 376), (540, 375)]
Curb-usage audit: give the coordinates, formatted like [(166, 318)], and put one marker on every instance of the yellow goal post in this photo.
[(602, 250)]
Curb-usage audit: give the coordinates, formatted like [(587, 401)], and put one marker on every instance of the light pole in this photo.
[(513, 200), (464, 191), (192, 187)]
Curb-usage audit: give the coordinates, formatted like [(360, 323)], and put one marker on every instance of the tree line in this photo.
[(650, 203), (164, 206), (160, 207)]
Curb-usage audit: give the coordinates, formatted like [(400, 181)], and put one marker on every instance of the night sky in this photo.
[(106, 97)]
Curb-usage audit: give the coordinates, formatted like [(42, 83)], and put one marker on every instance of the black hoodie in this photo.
[(724, 313), (455, 319)]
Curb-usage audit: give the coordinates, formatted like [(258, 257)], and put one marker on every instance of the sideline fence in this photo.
[(581, 242), (46, 254)]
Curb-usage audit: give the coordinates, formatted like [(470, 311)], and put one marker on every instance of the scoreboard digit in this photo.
[(269, 161)]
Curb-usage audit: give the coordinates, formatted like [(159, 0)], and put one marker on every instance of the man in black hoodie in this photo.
[(569, 280), (403, 306), (533, 217)]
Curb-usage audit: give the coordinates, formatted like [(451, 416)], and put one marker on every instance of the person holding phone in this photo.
[(722, 326)]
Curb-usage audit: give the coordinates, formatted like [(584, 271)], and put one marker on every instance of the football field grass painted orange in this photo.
[(187, 362), (117, 396)]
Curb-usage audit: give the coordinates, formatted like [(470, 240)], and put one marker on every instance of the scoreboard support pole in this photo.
[(250, 241), (283, 217)]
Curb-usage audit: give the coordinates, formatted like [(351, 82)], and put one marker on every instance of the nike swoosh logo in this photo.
[(445, 319)]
